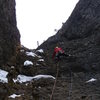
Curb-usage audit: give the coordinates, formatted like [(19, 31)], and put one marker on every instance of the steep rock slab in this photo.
[(80, 37)]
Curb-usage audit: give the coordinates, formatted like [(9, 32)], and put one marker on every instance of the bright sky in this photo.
[(37, 19)]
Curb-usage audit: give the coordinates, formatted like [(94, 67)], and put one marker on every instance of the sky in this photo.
[(38, 19)]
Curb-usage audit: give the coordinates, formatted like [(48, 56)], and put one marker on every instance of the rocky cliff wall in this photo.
[(9, 34), (80, 37)]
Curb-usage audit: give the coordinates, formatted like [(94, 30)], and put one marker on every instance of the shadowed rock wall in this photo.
[(9, 34), (84, 21)]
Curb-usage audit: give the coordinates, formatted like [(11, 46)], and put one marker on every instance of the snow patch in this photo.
[(41, 51), (41, 60), (30, 54), (43, 76), (23, 78), (37, 64), (21, 50), (27, 63), (39, 57), (3, 76), (14, 96), (91, 80)]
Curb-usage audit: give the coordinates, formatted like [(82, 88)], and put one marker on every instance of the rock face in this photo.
[(78, 75), (80, 37), (9, 34)]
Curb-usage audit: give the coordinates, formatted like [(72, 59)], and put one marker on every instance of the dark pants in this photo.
[(60, 55)]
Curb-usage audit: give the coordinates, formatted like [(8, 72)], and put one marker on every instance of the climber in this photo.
[(58, 53)]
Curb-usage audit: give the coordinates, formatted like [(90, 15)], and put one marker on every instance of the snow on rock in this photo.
[(23, 78), (41, 60), (14, 96), (3, 76), (40, 50), (43, 76), (91, 80), (37, 64), (21, 50), (39, 57), (27, 63), (31, 54)]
